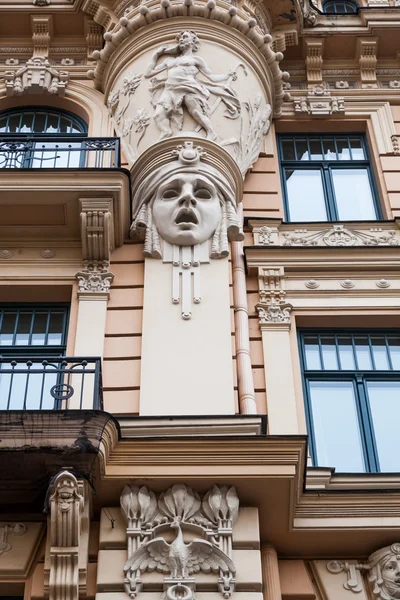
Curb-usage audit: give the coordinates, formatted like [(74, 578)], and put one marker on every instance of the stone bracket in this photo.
[(97, 229)]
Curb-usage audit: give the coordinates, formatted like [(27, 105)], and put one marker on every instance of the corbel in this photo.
[(67, 545), (366, 54), (94, 36), (99, 13), (42, 31), (314, 49), (97, 229)]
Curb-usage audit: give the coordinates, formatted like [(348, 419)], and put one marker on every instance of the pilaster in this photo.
[(270, 573), (275, 323)]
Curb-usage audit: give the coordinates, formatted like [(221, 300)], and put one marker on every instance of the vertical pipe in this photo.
[(247, 399), (270, 573)]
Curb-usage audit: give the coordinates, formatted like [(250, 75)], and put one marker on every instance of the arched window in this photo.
[(41, 121), (340, 7), (36, 137)]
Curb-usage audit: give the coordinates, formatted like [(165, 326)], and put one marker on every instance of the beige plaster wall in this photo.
[(123, 338), (256, 347)]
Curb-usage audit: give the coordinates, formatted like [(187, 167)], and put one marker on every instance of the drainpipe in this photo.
[(247, 399)]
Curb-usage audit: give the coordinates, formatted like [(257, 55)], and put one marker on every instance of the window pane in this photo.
[(3, 125), (39, 329), (305, 195), (384, 398), (311, 346), (52, 123), (329, 149), (40, 122), (316, 149), (302, 150), (343, 149), (288, 150), (7, 329), (394, 346), (13, 123), (357, 150), (363, 352), (55, 329), (380, 353), (329, 353), (26, 123), (346, 353), (336, 430), (353, 193), (23, 328)]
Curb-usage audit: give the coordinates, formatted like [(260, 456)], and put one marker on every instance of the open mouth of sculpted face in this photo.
[(186, 215)]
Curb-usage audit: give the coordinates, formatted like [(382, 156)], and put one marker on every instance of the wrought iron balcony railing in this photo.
[(50, 383), (55, 152)]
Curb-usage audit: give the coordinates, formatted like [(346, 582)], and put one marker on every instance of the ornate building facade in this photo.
[(199, 299)]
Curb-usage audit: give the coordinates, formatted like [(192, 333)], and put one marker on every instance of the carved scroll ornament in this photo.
[(179, 508)]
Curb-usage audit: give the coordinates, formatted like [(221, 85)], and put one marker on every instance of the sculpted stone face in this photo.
[(391, 577), (187, 209)]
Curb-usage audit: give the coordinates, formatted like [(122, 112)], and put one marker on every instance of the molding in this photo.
[(378, 111), (7, 531), (188, 427)]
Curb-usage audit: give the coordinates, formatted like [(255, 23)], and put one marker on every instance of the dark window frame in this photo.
[(359, 378), (81, 123), (326, 166), (35, 349), (351, 4)]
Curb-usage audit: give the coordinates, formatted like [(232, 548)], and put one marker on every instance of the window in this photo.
[(30, 331), (37, 137), (40, 121), (340, 7), (352, 390), (327, 178)]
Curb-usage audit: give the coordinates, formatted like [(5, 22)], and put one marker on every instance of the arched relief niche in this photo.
[(188, 77)]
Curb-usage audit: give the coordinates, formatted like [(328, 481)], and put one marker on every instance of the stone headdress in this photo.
[(376, 563), (189, 159)]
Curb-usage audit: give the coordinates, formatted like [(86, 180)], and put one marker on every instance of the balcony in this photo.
[(50, 383), (48, 186), (50, 152)]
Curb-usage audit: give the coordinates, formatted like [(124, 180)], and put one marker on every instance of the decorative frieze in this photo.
[(334, 236), (36, 77), (319, 101), (149, 521)]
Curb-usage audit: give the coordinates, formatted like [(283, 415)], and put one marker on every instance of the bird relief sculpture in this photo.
[(206, 524)]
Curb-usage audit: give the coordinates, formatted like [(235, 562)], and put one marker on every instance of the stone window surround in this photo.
[(373, 118)]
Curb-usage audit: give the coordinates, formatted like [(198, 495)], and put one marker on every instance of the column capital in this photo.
[(94, 280)]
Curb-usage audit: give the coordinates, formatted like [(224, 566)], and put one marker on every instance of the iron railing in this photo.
[(57, 152), (50, 383)]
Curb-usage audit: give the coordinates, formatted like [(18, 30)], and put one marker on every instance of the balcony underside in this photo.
[(44, 204)]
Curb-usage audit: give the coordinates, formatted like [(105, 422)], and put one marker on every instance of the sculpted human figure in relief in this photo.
[(186, 202), (384, 577), (180, 87)]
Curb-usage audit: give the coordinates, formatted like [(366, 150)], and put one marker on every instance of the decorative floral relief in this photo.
[(118, 103), (179, 508), (339, 236), (275, 311), (6, 531)]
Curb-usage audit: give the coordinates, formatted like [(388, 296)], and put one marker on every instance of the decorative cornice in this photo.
[(270, 233)]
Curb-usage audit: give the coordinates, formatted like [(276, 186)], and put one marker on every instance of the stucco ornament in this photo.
[(384, 576), (186, 202), (180, 508), (36, 77), (180, 88)]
